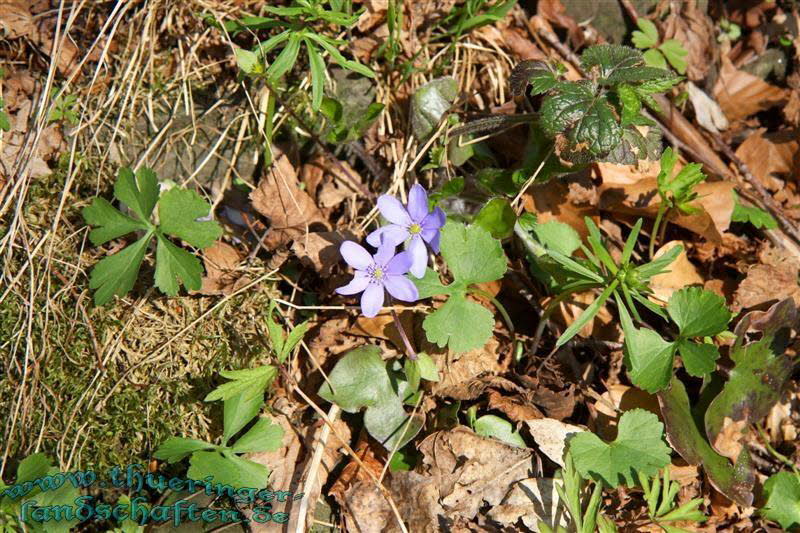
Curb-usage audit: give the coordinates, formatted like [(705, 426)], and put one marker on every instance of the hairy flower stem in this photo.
[(399, 325)]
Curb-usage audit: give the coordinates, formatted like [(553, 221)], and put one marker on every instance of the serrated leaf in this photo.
[(176, 266), (647, 37), (139, 192), (472, 254), (648, 358), (116, 274), (429, 284), (33, 467), (675, 54), (252, 380), (537, 74), (359, 380), (460, 323), (631, 104), (110, 221), (698, 312), (500, 429), (754, 215), (699, 359), (782, 492), (614, 64), (176, 448), (639, 447), (654, 58), (227, 470), (586, 118), (179, 211), (264, 436)]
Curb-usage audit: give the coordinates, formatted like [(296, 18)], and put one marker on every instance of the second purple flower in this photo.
[(413, 224)]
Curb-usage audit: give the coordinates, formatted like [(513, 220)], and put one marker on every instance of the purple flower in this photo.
[(376, 272), (412, 222)]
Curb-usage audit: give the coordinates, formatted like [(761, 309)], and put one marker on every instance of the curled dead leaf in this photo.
[(740, 94)]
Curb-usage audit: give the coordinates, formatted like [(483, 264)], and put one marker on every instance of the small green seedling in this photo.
[(677, 193), (63, 108), (5, 120), (242, 398), (283, 344), (660, 497), (658, 55), (180, 213)]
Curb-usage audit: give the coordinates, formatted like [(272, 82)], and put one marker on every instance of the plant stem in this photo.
[(656, 225), (399, 325)]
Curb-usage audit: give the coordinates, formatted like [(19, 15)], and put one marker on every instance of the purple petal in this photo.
[(431, 236), (399, 264), (384, 254), (355, 255), (401, 288), (417, 203), (372, 300), (434, 220), (392, 233), (419, 257), (356, 285), (393, 211)]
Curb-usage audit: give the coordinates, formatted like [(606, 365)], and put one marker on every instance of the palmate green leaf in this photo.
[(538, 74), (675, 54), (654, 58), (639, 447), (585, 117), (754, 215), (472, 254), (228, 469), (176, 266), (698, 358), (264, 436), (238, 411), (658, 265), (175, 449), (497, 217), (116, 274), (631, 104), (110, 222), (698, 312), (614, 64), (178, 213), (252, 381), (648, 357), (139, 192), (782, 492), (460, 323)]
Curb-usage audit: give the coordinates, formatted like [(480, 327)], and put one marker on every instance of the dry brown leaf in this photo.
[(695, 31), (766, 154), (16, 19), (50, 144), (791, 111), (615, 401), (551, 436), (291, 211), (471, 471), (515, 407), (602, 327), (382, 327), (554, 12), (521, 45), (221, 261), (532, 500), (680, 273), (320, 250), (740, 94), (460, 375), (367, 510), (417, 498), (708, 113), (728, 441), (567, 200), (767, 283)]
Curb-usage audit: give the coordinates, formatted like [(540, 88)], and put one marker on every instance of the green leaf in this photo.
[(587, 315), (411, 368), (251, 381), (264, 436), (614, 64), (782, 492), (685, 437), (355, 66), (227, 469), (698, 312), (558, 236), (676, 54), (179, 211), (285, 60), (500, 429), (176, 266), (33, 467), (5, 121), (639, 447), (631, 104), (761, 370), (754, 215), (537, 74), (247, 61), (658, 265), (116, 274), (388, 423), (427, 367), (699, 359), (139, 192), (293, 339), (429, 104), (648, 358), (112, 223), (429, 284), (176, 448), (497, 217), (317, 66), (647, 37), (654, 58), (472, 254), (359, 379), (238, 411), (460, 323)]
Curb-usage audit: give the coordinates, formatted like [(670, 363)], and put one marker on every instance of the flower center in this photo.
[(377, 273), (414, 229)]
